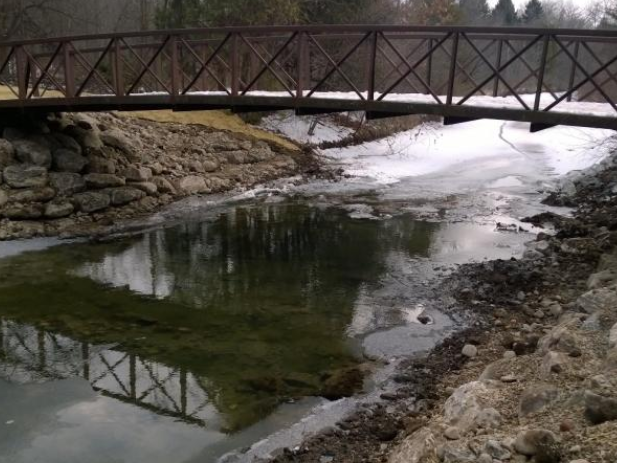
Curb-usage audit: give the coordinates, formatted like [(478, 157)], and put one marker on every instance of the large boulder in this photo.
[(600, 409), (163, 185), (464, 405), (33, 152), (124, 195), (539, 443), (91, 201), (598, 299), (193, 184), (147, 187), (612, 337), (67, 143), (40, 195), (23, 211), (101, 165), (537, 397), (137, 174), (118, 140), (100, 181), (67, 183), (69, 161), (417, 448), (7, 153), (59, 209), (24, 176)]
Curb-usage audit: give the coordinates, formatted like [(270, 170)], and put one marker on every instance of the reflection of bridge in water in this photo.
[(29, 354)]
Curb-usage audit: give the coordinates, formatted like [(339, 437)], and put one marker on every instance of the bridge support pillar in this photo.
[(538, 127), (454, 120)]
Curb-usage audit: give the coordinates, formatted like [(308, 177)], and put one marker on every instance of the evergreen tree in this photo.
[(474, 11), (504, 13), (533, 12)]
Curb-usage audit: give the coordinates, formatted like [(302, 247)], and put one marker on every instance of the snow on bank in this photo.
[(305, 129), (432, 148)]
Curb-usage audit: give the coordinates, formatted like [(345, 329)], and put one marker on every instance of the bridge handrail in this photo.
[(312, 29)]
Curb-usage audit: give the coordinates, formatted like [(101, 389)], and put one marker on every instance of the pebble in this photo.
[(509, 379), (485, 458), (470, 351), (509, 354), (567, 425), (452, 433)]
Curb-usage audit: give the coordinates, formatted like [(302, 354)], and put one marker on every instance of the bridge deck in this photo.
[(545, 77)]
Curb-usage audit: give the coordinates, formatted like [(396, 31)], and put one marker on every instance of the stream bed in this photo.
[(234, 323)]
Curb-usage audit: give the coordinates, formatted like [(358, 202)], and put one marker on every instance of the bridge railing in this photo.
[(535, 69)]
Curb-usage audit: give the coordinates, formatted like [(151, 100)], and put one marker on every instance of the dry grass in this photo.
[(217, 120)]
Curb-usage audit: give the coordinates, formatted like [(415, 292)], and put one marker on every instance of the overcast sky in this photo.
[(581, 3)]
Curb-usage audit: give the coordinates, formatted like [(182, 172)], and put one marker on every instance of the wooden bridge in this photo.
[(541, 76)]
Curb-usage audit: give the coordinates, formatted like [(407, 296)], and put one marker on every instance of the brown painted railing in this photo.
[(547, 76)]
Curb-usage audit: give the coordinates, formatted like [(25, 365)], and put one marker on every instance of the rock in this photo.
[(496, 450), (602, 278), (531, 442), (137, 174), (21, 211), (470, 351), (116, 139), (147, 187), (100, 181), (555, 310), (7, 153), (41, 195), (455, 453), (567, 425), (488, 419), (196, 166), (124, 195), (452, 433), (597, 299), (67, 183), (21, 176), (611, 360), (57, 210), (68, 143), (612, 337), (4, 198), (210, 164), (600, 409), (32, 152), (260, 154), (485, 458), (69, 161), (417, 448), (89, 141), (552, 362), (236, 157), (84, 121), (464, 405), (101, 165), (342, 383), (193, 185), (509, 354), (386, 432), (91, 201), (537, 397), (508, 379), (220, 141), (163, 185), (579, 461), (559, 339)]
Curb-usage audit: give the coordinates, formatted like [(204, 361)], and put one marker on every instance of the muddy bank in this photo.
[(80, 174), (532, 379)]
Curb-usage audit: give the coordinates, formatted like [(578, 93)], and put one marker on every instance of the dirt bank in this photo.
[(534, 378), (76, 174)]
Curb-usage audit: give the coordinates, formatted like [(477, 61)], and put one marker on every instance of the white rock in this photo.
[(417, 448), (612, 337), (470, 351)]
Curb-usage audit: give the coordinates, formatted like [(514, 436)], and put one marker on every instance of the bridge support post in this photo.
[(22, 72), (304, 65), (69, 71), (372, 58), (116, 64), (452, 76)]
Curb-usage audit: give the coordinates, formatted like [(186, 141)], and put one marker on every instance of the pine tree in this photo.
[(533, 12), (504, 13), (474, 11)]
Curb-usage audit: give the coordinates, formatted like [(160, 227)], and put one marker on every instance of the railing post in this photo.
[(543, 58), (372, 64), (498, 67), (455, 41), (303, 64), (235, 64), (429, 65), (116, 63), (22, 72), (69, 71), (577, 46), (175, 68)]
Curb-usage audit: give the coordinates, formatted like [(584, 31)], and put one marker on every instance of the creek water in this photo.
[(185, 343)]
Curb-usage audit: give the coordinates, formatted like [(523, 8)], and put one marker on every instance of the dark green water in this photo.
[(168, 346)]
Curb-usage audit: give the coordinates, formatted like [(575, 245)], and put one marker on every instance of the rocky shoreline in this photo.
[(79, 174), (533, 379)]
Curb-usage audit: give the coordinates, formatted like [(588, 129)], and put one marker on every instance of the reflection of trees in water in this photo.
[(256, 301)]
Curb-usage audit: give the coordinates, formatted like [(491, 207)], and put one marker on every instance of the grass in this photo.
[(217, 120)]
